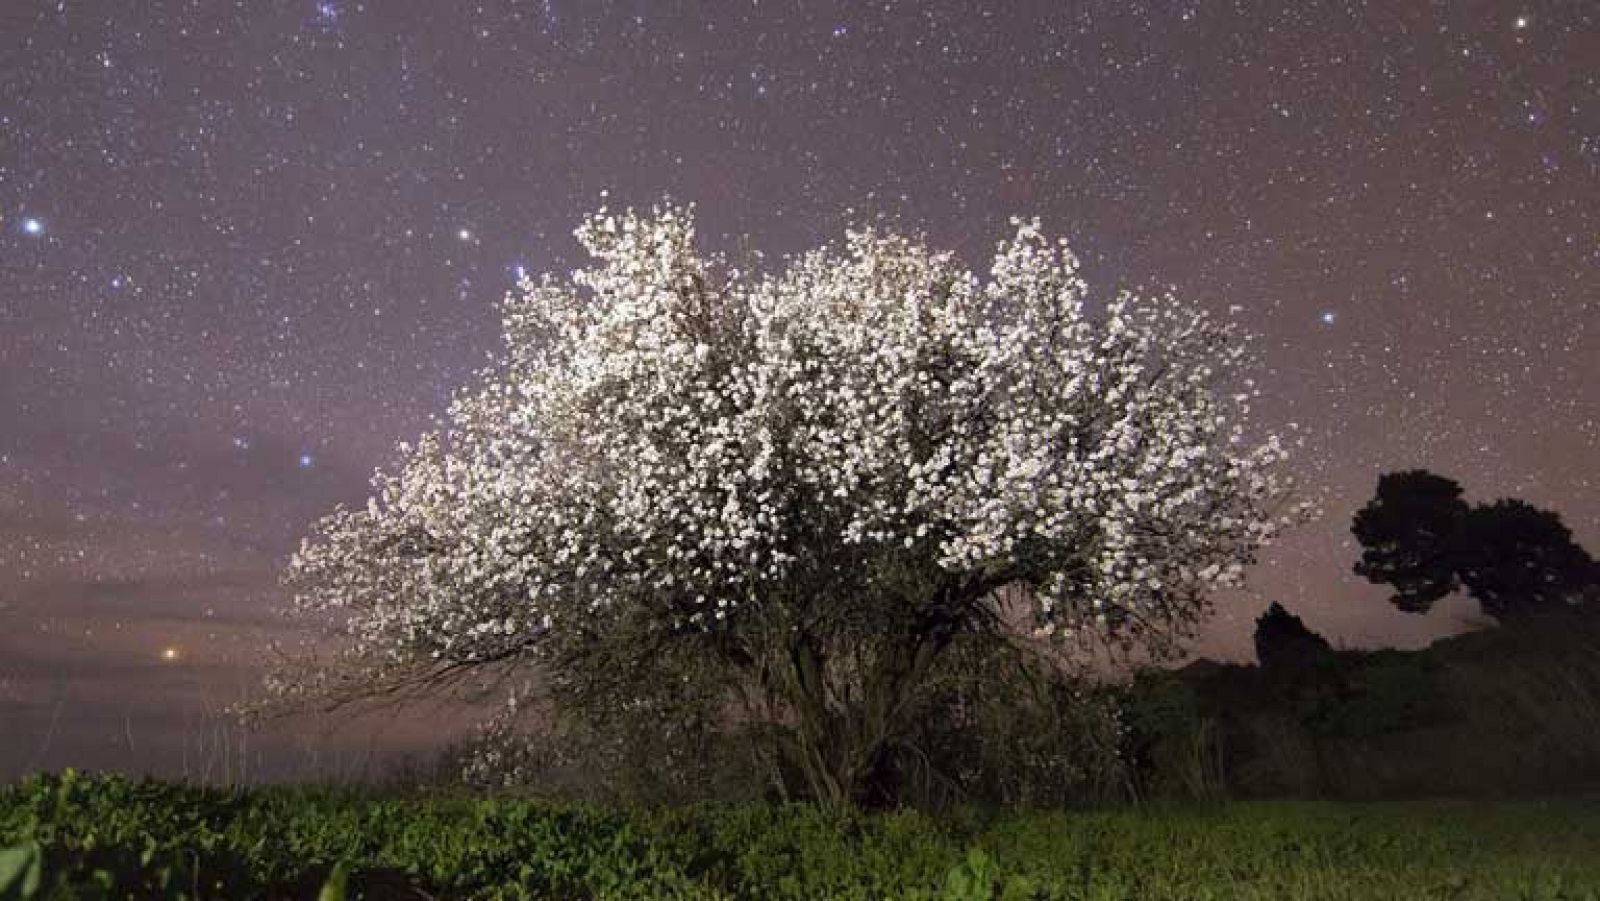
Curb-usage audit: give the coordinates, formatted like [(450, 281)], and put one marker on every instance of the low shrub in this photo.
[(80, 836)]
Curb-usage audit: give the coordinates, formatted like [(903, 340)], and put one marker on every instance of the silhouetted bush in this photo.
[(1283, 642), (1508, 710)]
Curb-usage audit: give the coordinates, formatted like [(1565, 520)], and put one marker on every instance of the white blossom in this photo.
[(660, 429)]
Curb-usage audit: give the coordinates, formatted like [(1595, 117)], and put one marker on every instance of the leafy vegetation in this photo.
[(108, 837), (1512, 710)]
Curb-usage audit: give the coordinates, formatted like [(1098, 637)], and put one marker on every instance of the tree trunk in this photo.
[(845, 724), (842, 707)]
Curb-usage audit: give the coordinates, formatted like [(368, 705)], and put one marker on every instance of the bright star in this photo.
[(306, 461), (1522, 22), (169, 654), (1327, 317), (33, 226), (464, 235)]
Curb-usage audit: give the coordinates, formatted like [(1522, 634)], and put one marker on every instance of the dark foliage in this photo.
[(1408, 534), (1501, 710), (1518, 561), (997, 724), (1284, 643)]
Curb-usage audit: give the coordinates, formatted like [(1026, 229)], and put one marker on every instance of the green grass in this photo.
[(112, 837)]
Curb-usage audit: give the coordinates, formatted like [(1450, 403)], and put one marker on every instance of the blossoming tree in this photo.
[(812, 481)]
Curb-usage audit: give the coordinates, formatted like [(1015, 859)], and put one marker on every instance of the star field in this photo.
[(247, 247)]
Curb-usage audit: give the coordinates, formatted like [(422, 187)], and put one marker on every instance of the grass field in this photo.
[(88, 836)]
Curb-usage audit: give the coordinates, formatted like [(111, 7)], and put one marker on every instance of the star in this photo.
[(32, 226), (1521, 23), (170, 654), (1328, 316), (464, 234), (307, 461)]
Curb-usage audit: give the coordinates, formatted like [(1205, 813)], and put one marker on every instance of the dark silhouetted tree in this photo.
[(1284, 642), (1519, 560), (1516, 560), (1409, 533)]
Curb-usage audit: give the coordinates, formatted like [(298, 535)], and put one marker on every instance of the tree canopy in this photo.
[(1421, 538), (1410, 537), (790, 494), (1517, 558)]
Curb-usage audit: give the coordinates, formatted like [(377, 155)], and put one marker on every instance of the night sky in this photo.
[(245, 247)]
